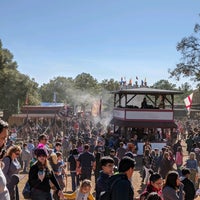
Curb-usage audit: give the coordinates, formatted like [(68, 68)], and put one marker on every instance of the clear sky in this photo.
[(105, 38)]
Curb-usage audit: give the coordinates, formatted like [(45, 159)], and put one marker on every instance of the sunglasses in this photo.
[(17, 154)]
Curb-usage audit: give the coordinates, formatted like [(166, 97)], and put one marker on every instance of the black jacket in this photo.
[(35, 182), (188, 189), (122, 189), (101, 184)]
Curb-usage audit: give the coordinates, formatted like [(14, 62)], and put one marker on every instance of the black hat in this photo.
[(40, 152)]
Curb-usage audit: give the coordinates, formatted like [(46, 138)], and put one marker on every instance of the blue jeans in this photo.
[(40, 195), (75, 180)]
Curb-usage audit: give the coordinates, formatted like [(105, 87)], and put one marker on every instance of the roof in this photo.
[(145, 90), (34, 115), (143, 124)]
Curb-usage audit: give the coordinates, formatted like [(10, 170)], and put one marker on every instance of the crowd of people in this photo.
[(52, 160)]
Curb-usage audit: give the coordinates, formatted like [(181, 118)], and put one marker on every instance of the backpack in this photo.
[(26, 192), (107, 195)]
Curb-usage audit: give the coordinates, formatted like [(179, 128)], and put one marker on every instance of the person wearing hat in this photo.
[(39, 178), (188, 188)]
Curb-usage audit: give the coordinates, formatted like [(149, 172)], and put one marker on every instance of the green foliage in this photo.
[(85, 82), (189, 65), (164, 84), (14, 85), (61, 86)]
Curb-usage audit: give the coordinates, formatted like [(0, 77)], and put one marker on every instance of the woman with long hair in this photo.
[(40, 176), (165, 165), (173, 188), (155, 185), (192, 165), (11, 170)]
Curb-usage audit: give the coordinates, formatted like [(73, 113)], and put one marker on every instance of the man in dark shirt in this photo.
[(86, 161), (188, 188), (72, 167)]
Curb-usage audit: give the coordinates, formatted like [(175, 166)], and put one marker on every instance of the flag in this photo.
[(54, 97), (188, 101)]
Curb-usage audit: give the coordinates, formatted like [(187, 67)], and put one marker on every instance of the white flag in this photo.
[(188, 101)]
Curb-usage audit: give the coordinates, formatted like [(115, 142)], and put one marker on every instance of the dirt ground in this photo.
[(136, 179)]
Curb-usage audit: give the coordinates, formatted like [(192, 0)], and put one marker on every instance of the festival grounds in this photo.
[(136, 179)]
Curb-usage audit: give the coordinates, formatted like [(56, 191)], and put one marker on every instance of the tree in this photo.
[(85, 82), (164, 84), (59, 89), (189, 65), (109, 85), (14, 85)]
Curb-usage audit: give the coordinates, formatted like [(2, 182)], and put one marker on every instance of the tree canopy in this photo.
[(189, 65), (14, 86)]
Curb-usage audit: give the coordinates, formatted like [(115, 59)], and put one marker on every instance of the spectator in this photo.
[(84, 192), (176, 145), (130, 150), (66, 148), (179, 160), (120, 151), (31, 147), (165, 165), (26, 157), (123, 188), (134, 140), (189, 141), (171, 187), (57, 147), (188, 185), (86, 161), (192, 165), (115, 158), (11, 169), (40, 175), (107, 164), (147, 145), (43, 143), (155, 161), (72, 168), (4, 193), (146, 161), (155, 185)]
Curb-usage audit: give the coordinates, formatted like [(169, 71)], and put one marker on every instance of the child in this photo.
[(83, 193), (107, 166)]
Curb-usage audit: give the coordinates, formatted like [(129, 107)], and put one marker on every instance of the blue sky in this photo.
[(105, 38)]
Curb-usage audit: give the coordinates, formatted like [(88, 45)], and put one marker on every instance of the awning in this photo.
[(142, 124)]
